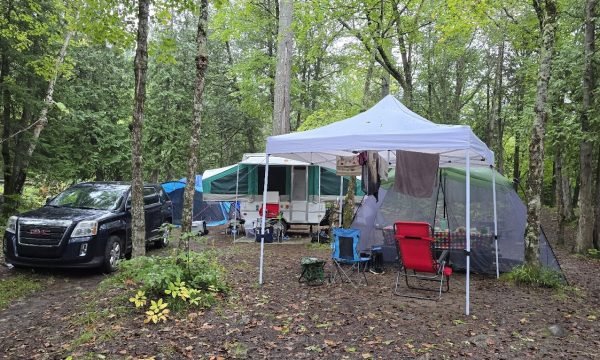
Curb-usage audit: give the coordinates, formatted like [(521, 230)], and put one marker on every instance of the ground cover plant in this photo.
[(17, 286)]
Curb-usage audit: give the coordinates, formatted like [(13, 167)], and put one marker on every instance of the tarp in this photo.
[(214, 213), (386, 127)]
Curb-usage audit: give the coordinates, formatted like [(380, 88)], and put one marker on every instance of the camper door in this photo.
[(299, 196)]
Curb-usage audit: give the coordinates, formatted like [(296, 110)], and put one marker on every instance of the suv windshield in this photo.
[(90, 196)]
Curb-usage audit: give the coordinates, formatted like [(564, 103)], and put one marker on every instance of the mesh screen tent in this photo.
[(214, 213), (445, 210)]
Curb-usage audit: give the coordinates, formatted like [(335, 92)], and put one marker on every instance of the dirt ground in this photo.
[(287, 319)]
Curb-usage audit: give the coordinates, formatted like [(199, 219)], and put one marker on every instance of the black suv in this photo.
[(86, 226)]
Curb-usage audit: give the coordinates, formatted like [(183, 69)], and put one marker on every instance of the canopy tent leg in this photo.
[(319, 224), (495, 221), (237, 182), (262, 225), (341, 199), (468, 232)]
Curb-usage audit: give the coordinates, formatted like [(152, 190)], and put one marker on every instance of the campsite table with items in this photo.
[(313, 271), (455, 243)]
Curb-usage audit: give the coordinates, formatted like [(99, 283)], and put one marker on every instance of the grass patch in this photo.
[(538, 276), (16, 286), (594, 253), (318, 246)]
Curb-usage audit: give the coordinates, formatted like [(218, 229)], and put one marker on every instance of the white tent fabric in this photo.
[(386, 127), (260, 159)]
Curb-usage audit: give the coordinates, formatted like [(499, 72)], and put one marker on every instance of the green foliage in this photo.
[(15, 286), (139, 299), (318, 246), (538, 276), (176, 276), (348, 210), (594, 253), (157, 312)]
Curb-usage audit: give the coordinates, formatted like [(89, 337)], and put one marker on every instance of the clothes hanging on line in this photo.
[(416, 173), (370, 175), (382, 168)]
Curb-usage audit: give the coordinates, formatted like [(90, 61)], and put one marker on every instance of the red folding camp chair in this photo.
[(415, 248)]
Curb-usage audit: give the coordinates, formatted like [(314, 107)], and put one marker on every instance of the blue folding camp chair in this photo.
[(345, 253)]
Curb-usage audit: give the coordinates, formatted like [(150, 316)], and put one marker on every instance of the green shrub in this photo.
[(594, 253), (154, 275), (536, 276)]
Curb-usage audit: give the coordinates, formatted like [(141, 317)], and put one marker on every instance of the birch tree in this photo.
[(283, 72), (201, 66), (547, 13), (137, 182)]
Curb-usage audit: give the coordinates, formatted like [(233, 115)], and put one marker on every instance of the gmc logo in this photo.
[(39, 232)]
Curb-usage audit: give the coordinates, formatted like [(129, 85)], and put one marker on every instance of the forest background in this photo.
[(520, 73)]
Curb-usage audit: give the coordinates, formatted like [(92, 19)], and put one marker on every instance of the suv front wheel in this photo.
[(112, 254)]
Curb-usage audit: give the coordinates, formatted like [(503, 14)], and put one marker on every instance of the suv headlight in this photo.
[(11, 226), (85, 228)]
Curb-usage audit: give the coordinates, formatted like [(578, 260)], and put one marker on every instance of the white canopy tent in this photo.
[(386, 127)]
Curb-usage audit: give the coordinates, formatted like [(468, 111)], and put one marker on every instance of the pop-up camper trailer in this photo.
[(297, 191)]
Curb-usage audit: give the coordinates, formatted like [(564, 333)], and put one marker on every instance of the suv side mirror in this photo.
[(48, 199), (128, 204)]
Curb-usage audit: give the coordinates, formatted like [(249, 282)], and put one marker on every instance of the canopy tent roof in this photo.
[(386, 127)]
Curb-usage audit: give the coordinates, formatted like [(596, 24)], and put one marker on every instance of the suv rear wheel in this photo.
[(112, 254)]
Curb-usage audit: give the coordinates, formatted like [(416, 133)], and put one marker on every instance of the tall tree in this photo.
[(283, 71), (547, 13), (28, 39), (585, 227), (137, 170), (496, 123), (201, 66)]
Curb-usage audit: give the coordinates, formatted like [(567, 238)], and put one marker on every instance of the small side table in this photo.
[(313, 271)]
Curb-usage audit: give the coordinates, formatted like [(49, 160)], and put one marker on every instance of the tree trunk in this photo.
[(547, 18), (517, 163), (519, 114), (585, 227), (459, 76), (385, 85), (283, 71), (249, 131), (495, 124), (367, 88), (558, 197), (137, 169), (597, 223), (192, 165)]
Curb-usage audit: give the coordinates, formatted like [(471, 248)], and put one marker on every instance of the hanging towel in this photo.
[(416, 173), (382, 168), (347, 166)]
